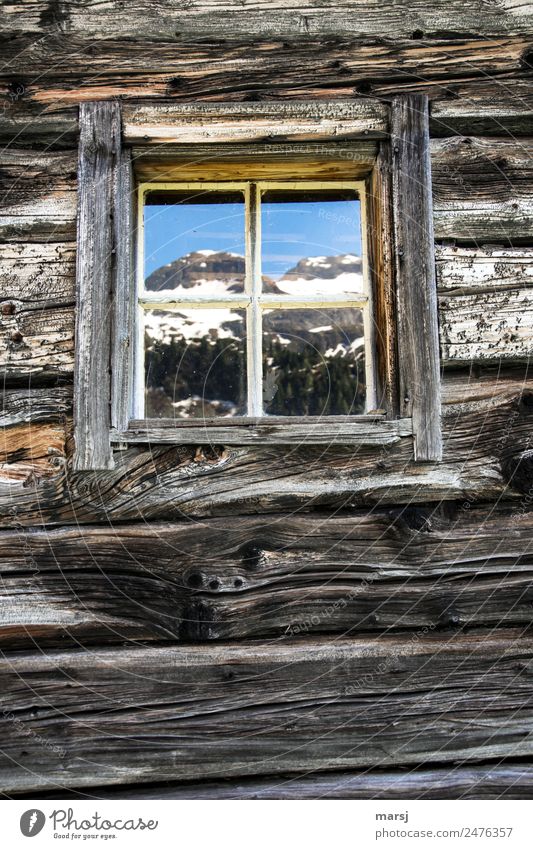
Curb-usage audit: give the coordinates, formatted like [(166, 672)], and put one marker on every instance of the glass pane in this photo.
[(195, 363), (194, 242), (313, 362), (311, 243)]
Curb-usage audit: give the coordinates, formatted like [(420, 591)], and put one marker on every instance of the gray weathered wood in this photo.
[(362, 431), (279, 575), (266, 19), (485, 303), (483, 189), (38, 196), (415, 273), (197, 123), (98, 152), (204, 712), (458, 781), (123, 293)]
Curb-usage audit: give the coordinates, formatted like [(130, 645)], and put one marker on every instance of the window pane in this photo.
[(194, 242), (195, 363), (313, 362), (311, 243)]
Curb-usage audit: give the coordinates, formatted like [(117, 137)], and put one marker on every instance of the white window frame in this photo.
[(253, 301)]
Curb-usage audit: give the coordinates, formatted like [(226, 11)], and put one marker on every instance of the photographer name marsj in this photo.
[(67, 826)]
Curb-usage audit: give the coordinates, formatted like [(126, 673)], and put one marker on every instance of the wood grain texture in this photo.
[(250, 69), (38, 196), (357, 431), (123, 291), (311, 160), (418, 339), (381, 262), (198, 123), (113, 716), (490, 781), (484, 443), (485, 303), (350, 17), (95, 262), (279, 575)]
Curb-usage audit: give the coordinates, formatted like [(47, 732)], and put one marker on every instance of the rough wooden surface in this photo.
[(485, 303), (485, 457), (483, 189), (38, 196), (501, 780), (416, 293), (95, 264), (198, 123), (280, 575), (251, 69), (349, 17), (112, 716)]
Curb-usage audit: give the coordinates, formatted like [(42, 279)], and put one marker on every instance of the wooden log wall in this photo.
[(354, 585)]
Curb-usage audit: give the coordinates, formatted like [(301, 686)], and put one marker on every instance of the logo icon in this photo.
[(32, 822)]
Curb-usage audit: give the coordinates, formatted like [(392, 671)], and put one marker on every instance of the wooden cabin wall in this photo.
[(258, 614)]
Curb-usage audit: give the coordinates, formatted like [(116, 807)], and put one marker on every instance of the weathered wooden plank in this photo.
[(380, 246), (492, 781), (477, 386), (38, 274), (197, 123), (482, 270), (366, 431), (36, 343), (483, 189), (93, 70), (277, 575), (235, 710), (313, 160), (418, 336), (209, 19), (123, 292), (475, 107), (38, 196), (98, 151), (48, 404), (486, 445), (495, 325), (485, 303)]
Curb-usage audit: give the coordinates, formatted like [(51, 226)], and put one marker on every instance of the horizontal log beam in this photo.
[(279, 575), (493, 781), (486, 457), (312, 66), (202, 713), (349, 18)]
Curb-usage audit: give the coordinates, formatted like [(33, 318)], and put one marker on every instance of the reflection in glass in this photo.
[(195, 363), (311, 242), (313, 362), (194, 242)]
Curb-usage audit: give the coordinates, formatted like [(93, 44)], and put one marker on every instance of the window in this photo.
[(282, 288), (253, 300)]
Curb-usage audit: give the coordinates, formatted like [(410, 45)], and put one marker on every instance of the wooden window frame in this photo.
[(400, 247)]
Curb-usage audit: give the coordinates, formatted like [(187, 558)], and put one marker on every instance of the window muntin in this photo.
[(299, 336)]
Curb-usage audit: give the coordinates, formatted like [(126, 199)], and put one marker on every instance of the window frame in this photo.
[(400, 251), (253, 300)]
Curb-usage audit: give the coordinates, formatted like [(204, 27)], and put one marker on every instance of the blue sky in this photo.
[(290, 231)]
